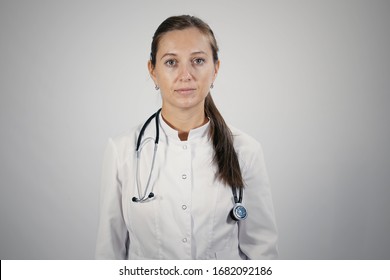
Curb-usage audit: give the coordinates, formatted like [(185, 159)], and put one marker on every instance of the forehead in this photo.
[(182, 41)]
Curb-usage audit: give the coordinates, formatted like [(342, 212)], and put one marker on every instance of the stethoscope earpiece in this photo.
[(150, 196)]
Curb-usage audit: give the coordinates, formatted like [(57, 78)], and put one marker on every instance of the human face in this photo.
[(184, 69)]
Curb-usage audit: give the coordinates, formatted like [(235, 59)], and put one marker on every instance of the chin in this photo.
[(189, 104)]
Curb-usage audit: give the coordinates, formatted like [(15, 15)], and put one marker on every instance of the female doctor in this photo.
[(185, 185)]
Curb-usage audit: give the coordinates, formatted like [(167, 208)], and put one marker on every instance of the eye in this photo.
[(170, 62), (199, 61)]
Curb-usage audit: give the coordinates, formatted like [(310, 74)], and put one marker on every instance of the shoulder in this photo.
[(125, 138), (248, 149), (244, 142), (123, 144)]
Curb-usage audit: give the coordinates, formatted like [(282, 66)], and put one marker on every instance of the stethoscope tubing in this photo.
[(141, 133), (147, 196)]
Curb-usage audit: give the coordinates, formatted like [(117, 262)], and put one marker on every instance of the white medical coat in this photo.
[(189, 216)]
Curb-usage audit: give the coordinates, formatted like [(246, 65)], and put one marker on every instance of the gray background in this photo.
[(308, 79)]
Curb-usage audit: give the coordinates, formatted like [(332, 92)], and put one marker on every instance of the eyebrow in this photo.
[(174, 54)]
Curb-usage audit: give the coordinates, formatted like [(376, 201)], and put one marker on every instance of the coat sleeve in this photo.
[(112, 237), (258, 233)]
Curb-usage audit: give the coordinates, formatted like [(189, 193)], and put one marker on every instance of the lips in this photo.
[(185, 90)]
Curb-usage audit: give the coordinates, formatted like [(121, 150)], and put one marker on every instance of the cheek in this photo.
[(163, 79), (165, 75), (207, 78)]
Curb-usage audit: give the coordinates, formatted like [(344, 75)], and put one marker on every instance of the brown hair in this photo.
[(225, 156)]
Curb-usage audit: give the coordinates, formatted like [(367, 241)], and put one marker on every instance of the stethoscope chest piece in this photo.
[(238, 212)]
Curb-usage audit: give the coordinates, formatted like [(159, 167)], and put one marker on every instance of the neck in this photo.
[(184, 120)]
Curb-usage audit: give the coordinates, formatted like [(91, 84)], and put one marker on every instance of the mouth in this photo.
[(185, 91)]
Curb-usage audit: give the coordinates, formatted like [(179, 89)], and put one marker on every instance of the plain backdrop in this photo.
[(310, 80)]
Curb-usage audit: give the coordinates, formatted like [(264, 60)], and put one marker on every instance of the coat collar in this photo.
[(194, 134)]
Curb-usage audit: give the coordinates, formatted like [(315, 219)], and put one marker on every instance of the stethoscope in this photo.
[(238, 212)]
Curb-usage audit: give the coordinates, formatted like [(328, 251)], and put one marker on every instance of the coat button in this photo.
[(184, 147), (184, 207), (184, 240), (184, 176)]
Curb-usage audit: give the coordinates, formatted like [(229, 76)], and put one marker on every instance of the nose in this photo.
[(185, 73)]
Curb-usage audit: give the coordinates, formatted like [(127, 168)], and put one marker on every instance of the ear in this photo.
[(152, 71), (216, 69)]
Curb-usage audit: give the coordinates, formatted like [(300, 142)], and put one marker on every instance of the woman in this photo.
[(175, 202)]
